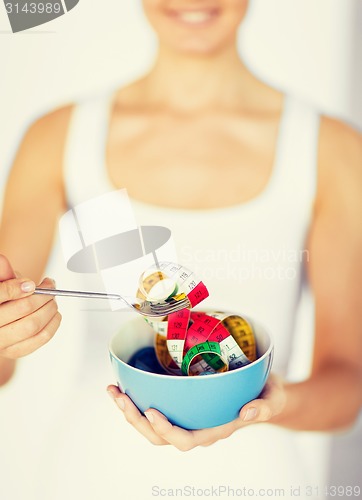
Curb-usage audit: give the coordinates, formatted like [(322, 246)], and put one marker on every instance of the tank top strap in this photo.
[(295, 175), (84, 157)]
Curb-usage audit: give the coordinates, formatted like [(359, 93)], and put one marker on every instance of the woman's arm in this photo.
[(331, 397), (333, 393), (34, 198), (34, 195)]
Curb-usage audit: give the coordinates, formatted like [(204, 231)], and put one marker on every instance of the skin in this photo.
[(199, 93), (27, 321)]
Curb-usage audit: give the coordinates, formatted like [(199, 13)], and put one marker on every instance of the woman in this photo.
[(213, 146)]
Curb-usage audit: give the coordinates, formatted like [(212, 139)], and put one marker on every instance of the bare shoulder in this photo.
[(55, 119), (340, 144), (49, 130), (340, 163), (40, 154), (37, 170)]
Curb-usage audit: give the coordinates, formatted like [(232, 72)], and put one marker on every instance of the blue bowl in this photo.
[(189, 402)]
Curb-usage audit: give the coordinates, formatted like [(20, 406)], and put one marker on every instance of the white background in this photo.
[(308, 47)]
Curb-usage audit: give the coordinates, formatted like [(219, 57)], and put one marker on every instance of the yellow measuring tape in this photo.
[(194, 342)]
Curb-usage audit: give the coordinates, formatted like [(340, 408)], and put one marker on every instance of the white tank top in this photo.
[(249, 255)]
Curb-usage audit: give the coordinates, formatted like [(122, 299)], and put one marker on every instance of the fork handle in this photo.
[(74, 293)]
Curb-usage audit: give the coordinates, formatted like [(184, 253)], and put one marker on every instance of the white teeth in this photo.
[(194, 17)]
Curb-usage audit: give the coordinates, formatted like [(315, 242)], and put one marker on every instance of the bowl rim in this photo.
[(267, 353)]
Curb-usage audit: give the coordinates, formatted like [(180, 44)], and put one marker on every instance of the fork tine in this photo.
[(180, 304), (168, 310), (173, 310), (169, 306), (158, 314), (171, 302)]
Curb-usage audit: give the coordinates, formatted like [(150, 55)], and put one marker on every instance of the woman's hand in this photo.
[(159, 431), (27, 321)]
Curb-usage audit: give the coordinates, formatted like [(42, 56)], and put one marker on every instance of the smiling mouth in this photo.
[(194, 17)]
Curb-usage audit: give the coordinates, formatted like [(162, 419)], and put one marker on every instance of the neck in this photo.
[(188, 83)]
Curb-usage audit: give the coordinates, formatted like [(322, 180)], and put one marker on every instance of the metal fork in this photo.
[(144, 307)]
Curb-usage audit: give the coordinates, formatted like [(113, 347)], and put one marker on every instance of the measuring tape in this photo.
[(158, 281), (189, 342)]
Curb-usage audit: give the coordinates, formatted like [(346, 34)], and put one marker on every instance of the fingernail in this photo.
[(27, 286), (250, 414), (150, 417), (120, 403), (110, 393)]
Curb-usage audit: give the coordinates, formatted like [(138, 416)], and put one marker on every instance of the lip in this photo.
[(200, 17)]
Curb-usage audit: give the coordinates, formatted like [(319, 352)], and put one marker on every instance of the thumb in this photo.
[(6, 271)]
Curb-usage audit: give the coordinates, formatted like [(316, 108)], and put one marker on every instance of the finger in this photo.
[(6, 270), (183, 439), (270, 403), (170, 434), (15, 289), (134, 416), (114, 391), (16, 309), (257, 411), (47, 283), (206, 437), (27, 327), (32, 344), (12, 287), (180, 438)]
